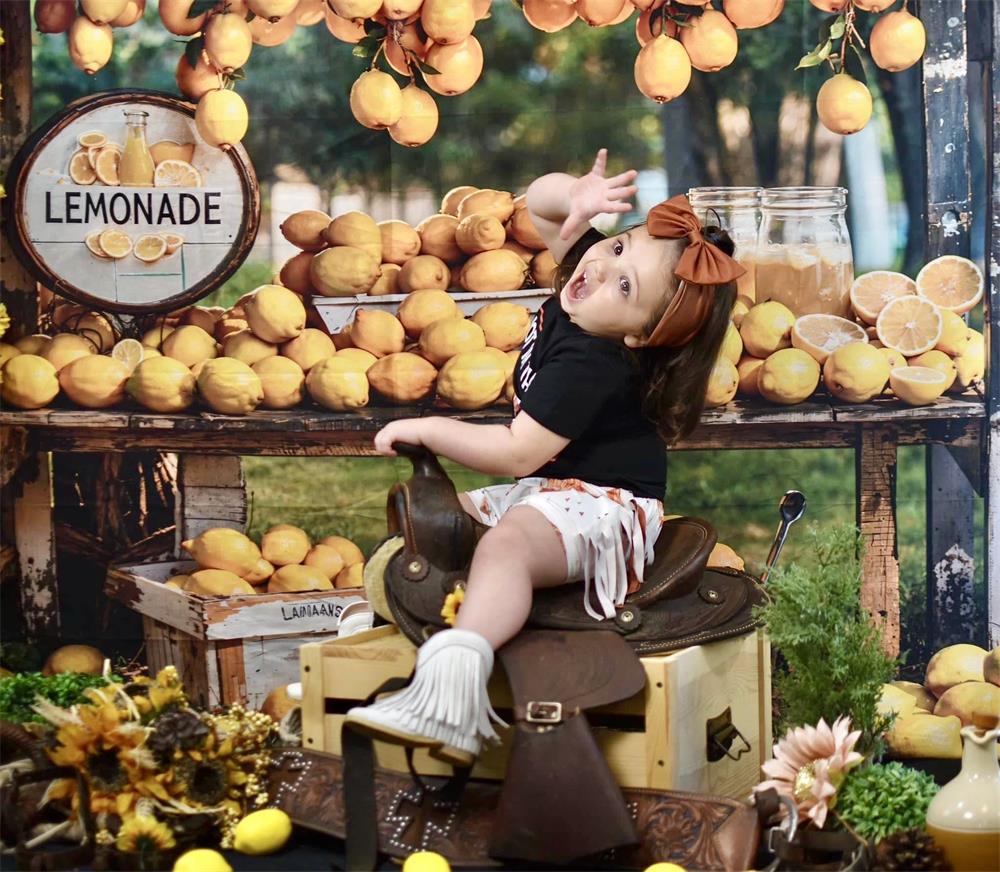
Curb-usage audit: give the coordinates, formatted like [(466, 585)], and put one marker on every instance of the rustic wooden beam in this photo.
[(34, 536), (991, 321), (875, 483), (17, 287), (950, 537), (211, 492)]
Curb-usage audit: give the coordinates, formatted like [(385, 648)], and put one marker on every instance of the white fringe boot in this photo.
[(446, 707)]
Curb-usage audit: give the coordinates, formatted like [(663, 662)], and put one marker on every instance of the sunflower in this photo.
[(144, 834), (208, 777)]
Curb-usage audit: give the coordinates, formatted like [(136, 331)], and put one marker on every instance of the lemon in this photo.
[(767, 328), (400, 241), (971, 363), (343, 271), (471, 379), (422, 308), (549, 16), (338, 383), (224, 548), (242, 345), (90, 44), (275, 314), (262, 832), (284, 544), (745, 14), (190, 345), (451, 200), (92, 138), (221, 117), (748, 370), (325, 559), (154, 337), (788, 376), (871, 291), (297, 578), (418, 118), (174, 15), (149, 248), (65, 348), (228, 41), (350, 576), (281, 380), (403, 377), (377, 332), (662, 69), (305, 229), (193, 82), (487, 201), (504, 324), (426, 861), (102, 12), (543, 266), (951, 282), (92, 241), (97, 329), (174, 173), (169, 149), (106, 164), (387, 281), (442, 340), (350, 552), (732, 344), (458, 66), (162, 384), (80, 170), (355, 229), (229, 386), (722, 383), (376, 100), (422, 272), (493, 271), (36, 343), (479, 232), (710, 41), (7, 352), (918, 385), (309, 348), (437, 237), (819, 334), (911, 325), (955, 334), (29, 381), (94, 381), (844, 104), (897, 40), (856, 372), (74, 658)]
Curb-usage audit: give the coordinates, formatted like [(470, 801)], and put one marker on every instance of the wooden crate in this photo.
[(657, 739), (227, 649)]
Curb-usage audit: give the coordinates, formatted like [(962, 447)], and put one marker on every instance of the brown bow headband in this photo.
[(701, 267)]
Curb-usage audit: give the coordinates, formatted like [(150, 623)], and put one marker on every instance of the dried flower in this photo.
[(809, 766), (144, 833), (452, 603)]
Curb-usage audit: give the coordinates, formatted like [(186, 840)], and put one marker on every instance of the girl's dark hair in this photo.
[(674, 381)]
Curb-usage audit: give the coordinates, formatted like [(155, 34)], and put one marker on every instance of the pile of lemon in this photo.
[(907, 339), (285, 561)]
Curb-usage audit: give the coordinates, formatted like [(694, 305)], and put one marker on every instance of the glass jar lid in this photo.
[(725, 197), (804, 199)]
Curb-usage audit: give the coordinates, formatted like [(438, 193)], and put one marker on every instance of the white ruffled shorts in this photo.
[(608, 534)]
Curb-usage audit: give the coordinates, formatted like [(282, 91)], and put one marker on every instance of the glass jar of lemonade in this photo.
[(136, 168), (737, 211), (804, 257)]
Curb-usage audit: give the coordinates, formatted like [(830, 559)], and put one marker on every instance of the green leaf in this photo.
[(816, 56), (854, 64), (193, 49), (201, 6), (838, 27)]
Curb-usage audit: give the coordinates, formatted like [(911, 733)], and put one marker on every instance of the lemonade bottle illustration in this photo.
[(137, 167)]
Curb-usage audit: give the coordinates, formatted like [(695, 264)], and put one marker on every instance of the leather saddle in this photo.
[(559, 801)]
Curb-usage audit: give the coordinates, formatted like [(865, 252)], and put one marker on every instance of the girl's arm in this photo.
[(491, 449), (561, 205)]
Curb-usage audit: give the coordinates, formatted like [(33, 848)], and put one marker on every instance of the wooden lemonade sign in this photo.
[(119, 204)]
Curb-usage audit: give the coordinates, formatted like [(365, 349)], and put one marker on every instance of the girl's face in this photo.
[(618, 286)]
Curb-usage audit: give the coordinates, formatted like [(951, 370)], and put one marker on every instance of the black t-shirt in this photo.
[(585, 388)]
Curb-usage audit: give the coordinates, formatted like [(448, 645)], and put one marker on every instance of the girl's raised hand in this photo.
[(592, 194)]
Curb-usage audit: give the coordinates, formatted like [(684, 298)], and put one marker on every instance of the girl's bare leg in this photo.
[(522, 552)]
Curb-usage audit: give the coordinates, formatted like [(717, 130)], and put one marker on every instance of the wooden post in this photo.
[(875, 485), (211, 492), (991, 323), (34, 534), (17, 287), (950, 544)]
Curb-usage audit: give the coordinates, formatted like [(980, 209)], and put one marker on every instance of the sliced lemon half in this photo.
[(820, 335), (173, 173), (911, 325), (917, 385), (129, 351), (173, 240), (80, 170), (951, 282), (106, 165), (94, 244), (150, 247), (114, 243), (92, 139), (873, 290)]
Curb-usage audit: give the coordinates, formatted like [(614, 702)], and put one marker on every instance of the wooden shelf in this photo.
[(305, 432)]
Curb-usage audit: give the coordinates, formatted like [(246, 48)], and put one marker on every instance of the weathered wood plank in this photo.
[(948, 211), (991, 320), (34, 535), (875, 483), (210, 493)]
